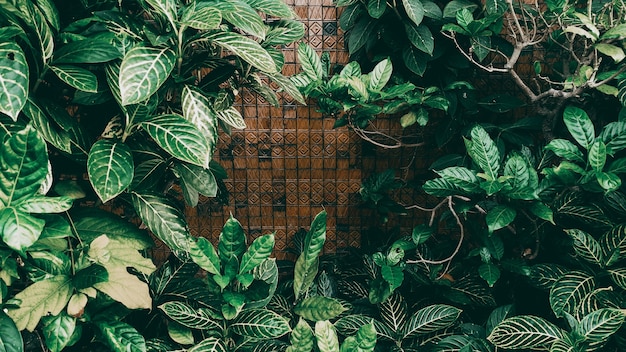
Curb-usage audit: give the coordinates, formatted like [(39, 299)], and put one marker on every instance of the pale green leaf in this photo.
[(597, 155), (112, 253), (77, 77), (246, 48), (565, 149), (110, 167), (275, 8), (288, 86), (326, 336), (284, 32), (46, 205), (380, 75), (144, 69), (203, 18), (197, 110), (484, 152), (232, 117), (126, 289), (244, 17), (301, 337), (415, 10), (615, 52), (260, 323), (310, 62)]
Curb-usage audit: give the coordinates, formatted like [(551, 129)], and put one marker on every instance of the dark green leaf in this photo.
[(91, 51), (525, 331), (57, 331), (579, 125), (10, 337), (121, 336)]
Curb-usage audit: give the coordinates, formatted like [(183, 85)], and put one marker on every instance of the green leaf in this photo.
[(194, 318), (87, 51), (489, 272), (317, 308), (525, 332), (243, 16), (461, 177), (46, 205), (542, 211), (198, 178), (89, 224), (211, 344), (110, 167), (615, 52), (19, 230), (421, 37), (618, 275), (414, 10), (203, 253), (545, 276), (44, 125), (58, 330), (309, 62), (77, 77), (259, 250), (260, 323), (25, 161), (120, 336), (112, 253), (565, 149), (287, 86), (126, 289), (430, 319), (180, 138), (579, 126), (598, 326), (197, 110), (246, 48), (89, 276), (380, 75), (499, 217), (232, 240), (439, 187), (301, 337), (350, 324), (14, 74), (586, 247), (614, 136), (497, 316), (484, 152), (326, 336), (306, 264), (376, 8), (393, 275), (203, 18), (143, 70), (393, 312), (10, 337), (164, 220), (568, 292), (41, 298), (232, 117), (597, 155)]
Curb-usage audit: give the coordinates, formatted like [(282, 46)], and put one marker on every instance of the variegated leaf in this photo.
[(144, 69), (232, 117), (246, 48), (13, 79), (195, 318), (110, 167), (525, 332), (569, 291), (76, 77), (260, 323)]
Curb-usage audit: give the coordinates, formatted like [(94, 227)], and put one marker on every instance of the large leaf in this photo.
[(306, 264), (57, 331), (614, 240), (380, 75), (198, 178), (196, 108), (326, 336), (121, 336), (301, 337), (110, 167), (42, 298), (276, 8), (565, 149), (46, 127), (203, 253), (568, 292), (92, 223), (126, 289), (350, 324), (586, 247), (243, 16), (260, 324), (393, 312), (203, 18), (195, 318), (309, 62), (10, 337), (77, 77), (232, 240), (545, 275), (144, 69), (597, 155), (421, 37), (246, 48), (164, 220), (579, 126), (317, 308), (484, 152), (440, 187), (614, 136), (376, 8), (288, 86), (525, 331), (598, 326), (25, 166), (112, 253), (499, 217), (430, 319), (415, 10), (13, 79), (259, 250), (180, 138)]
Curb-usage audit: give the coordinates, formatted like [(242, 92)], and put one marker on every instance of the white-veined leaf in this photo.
[(203, 18), (260, 323), (46, 205), (275, 8), (13, 79), (246, 48), (288, 86), (18, 229), (380, 75), (195, 318), (484, 152), (414, 10), (579, 126), (597, 155), (600, 325), (232, 117), (318, 308), (565, 149), (525, 332), (393, 312), (144, 69), (307, 263), (110, 167), (326, 336), (197, 110), (430, 319), (461, 177), (211, 344), (309, 62), (43, 124), (350, 324), (614, 136), (76, 77), (568, 292), (121, 336), (243, 16), (586, 247)]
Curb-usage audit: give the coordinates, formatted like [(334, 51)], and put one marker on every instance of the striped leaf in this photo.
[(307, 263), (288, 86), (597, 155), (259, 250), (598, 326), (87, 51), (614, 136), (164, 220), (121, 336), (565, 149), (484, 152), (614, 240), (318, 308), (232, 117), (246, 48), (284, 32), (203, 253), (244, 17), (203, 18), (19, 230), (380, 75), (350, 324), (393, 312), (197, 110), (10, 337), (186, 315), (301, 337), (143, 70), (545, 275), (211, 344), (326, 336), (275, 8), (110, 167), (579, 126), (439, 187), (618, 275), (57, 137), (430, 319), (13, 79), (457, 343), (309, 62), (586, 247), (260, 324), (76, 77), (568, 292), (179, 137), (526, 331)]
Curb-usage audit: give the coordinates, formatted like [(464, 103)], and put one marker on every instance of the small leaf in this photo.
[(598, 326), (19, 230), (110, 167), (489, 272), (232, 117), (579, 126), (211, 344), (380, 75), (500, 217), (120, 336), (615, 52), (57, 331), (414, 10)]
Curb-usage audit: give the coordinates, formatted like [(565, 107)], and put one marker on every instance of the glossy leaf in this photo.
[(211, 344), (565, 149), (484, 152), (44, 125), (376, 8), (197, 110), (259, 250), (489, 272), (203, 253), (46, 205), (317, 308), (260, 323), (301, 337), (579, 126), (521, 332), (614, 136), (568, 292), (600, 325), (430, 319), (326, 336), (232, 117), (586, 247), (25, 161), (288, 86), (380, 75), (232, 240), (597, 155), (244, 17), (92, 223), (246, 48), (499, 217), (14, 75), (41, 298), (350, 324), (77, 77), (545, 275), (414, 10), (614, 239), (276, 8), (180, 138), (195, 318), (618, 275), (420, 37), (306, 264), (87, 51), (366, 337), (143, 70), (57, 331), (121, 336), (19, 230), (198, 178), (10, 337), (203, 18), (309, 62), (110, 167)]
